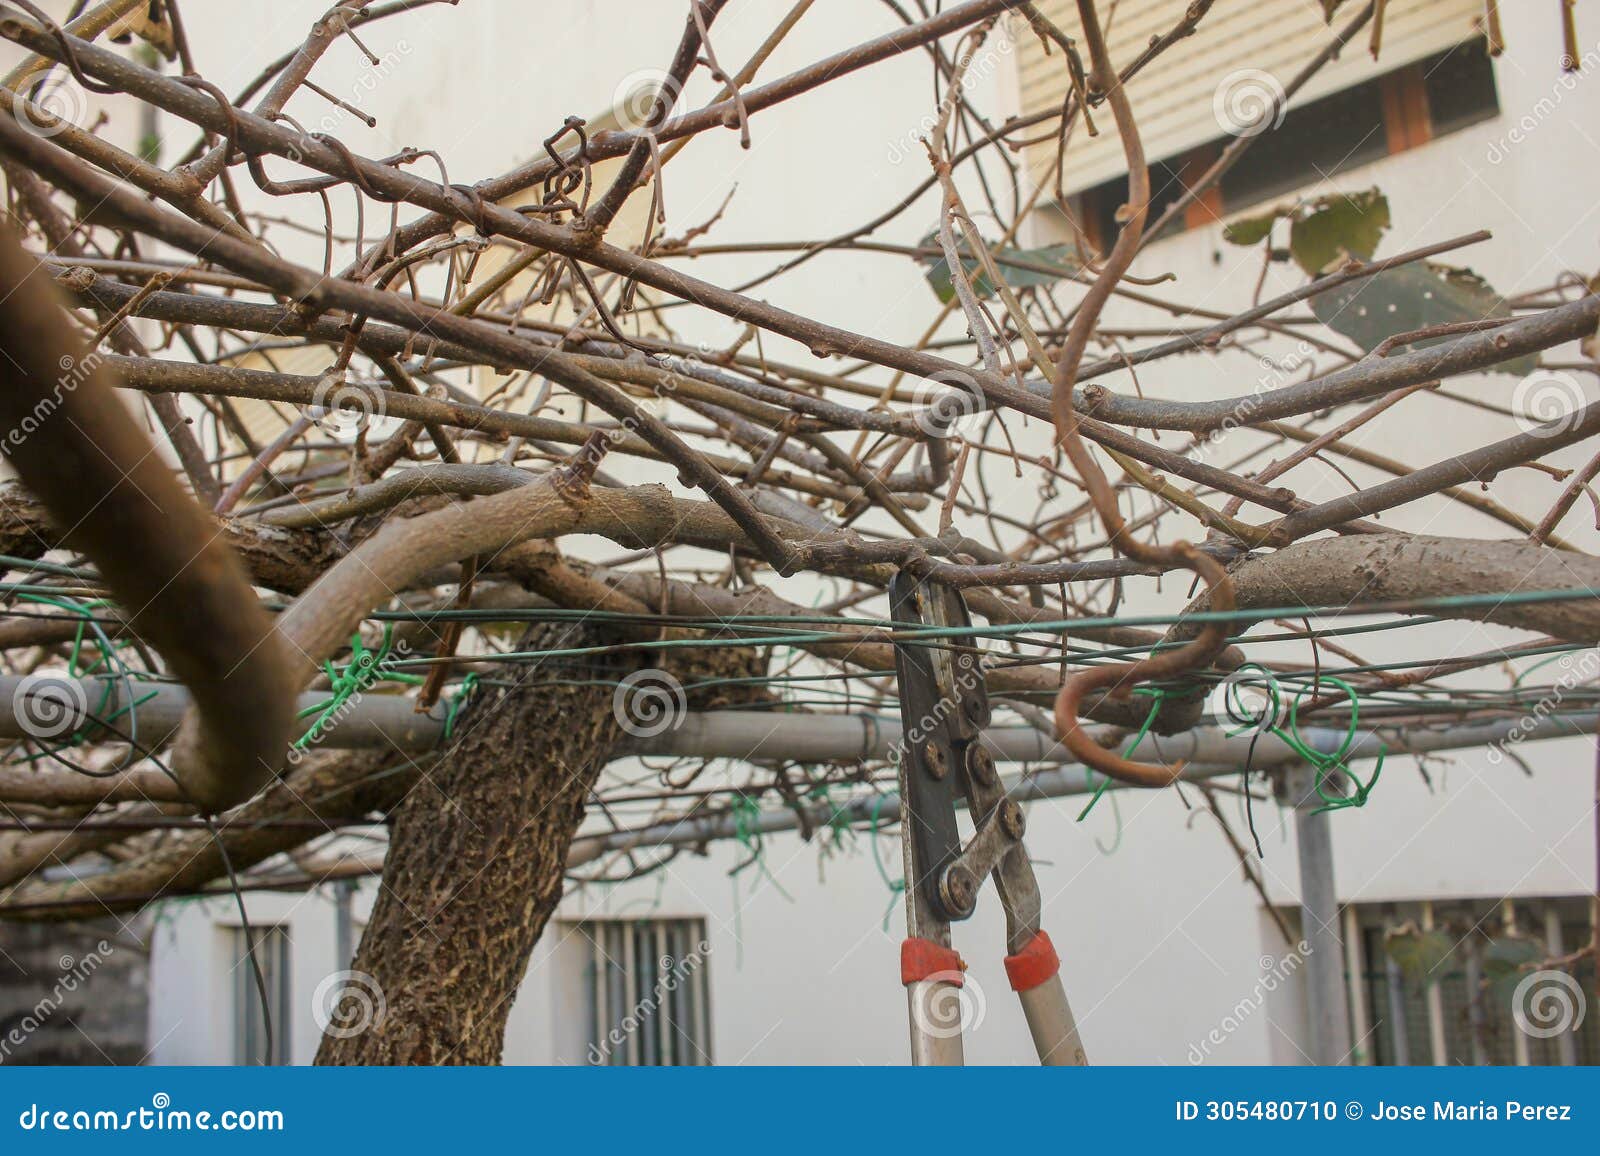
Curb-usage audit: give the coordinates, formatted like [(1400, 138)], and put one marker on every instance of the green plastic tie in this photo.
[(1159, 694), (365, 668), (463, 692)]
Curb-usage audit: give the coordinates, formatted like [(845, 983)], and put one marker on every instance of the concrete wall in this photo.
[(74, 994)]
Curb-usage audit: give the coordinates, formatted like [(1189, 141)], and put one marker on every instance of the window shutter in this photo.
[(1238, 47)]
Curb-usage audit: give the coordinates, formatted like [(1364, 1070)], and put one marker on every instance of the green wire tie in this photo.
[(1324, 764), (744, 810), (108, 647), (1157, 693), (363, 670), (464, 691)]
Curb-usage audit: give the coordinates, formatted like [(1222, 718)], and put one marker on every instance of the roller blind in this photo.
[(1242, 44)]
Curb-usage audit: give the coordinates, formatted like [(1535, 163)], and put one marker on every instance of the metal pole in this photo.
[(1475, 995), (1399, 1043), (1436, 1038), (1326, 997), (1355, 968), (1554, 945), (344, 927), (372, 720)]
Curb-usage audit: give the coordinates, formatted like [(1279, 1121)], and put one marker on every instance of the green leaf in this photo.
[(1251, 230), (1021, 268), (1412, 297), (1504, 963), (1337, 228), (1419, 954)]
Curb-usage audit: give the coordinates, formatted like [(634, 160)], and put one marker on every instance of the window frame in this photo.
[(1407, 123), (273, 952), (625, 983)]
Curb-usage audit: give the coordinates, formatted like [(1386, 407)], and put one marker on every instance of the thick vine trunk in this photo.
[(474, 870), (477, 856)]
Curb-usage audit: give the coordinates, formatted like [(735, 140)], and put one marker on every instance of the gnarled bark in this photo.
[(479, 851)]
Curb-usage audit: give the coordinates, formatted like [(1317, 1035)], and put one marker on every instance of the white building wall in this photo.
[(1160, 938)]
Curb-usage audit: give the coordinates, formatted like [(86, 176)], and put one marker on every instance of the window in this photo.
[(1175, 96), (250, 1014), (1399, 110), (647, 992), (1465, 982), (1434, 77)]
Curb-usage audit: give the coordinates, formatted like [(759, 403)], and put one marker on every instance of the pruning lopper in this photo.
[(944, 706)]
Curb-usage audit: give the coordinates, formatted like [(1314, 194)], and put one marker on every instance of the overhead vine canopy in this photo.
[(352, 503)]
